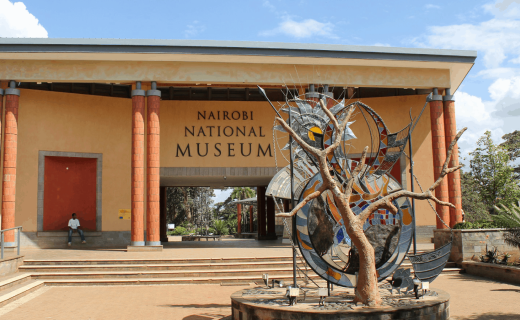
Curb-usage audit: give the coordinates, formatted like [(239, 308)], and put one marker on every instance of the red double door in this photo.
[(69, 187)]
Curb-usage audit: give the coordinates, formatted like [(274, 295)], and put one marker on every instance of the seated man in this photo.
[(74, 226)]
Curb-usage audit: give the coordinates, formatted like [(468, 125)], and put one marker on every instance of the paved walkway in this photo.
[(173, 250), (226, 248), (471, 298)]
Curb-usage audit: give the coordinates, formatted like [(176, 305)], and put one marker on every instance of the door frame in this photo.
[(41, 181)]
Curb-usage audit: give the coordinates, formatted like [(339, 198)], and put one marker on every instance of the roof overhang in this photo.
[(178, 57)]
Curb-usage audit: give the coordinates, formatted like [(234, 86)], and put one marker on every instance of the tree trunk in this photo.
[(173, 213), (186, 206), (367, 290)]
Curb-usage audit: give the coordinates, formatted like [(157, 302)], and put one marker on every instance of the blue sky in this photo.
[(489, 98)]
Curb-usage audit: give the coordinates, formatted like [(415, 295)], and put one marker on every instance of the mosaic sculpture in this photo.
[(354, 223)]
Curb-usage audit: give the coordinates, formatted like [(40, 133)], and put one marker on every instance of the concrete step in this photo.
[(156, 267), (19, 290), (169, 281), (160, 274), (13, 281), (408, 264), (203, 273), (154, 261)]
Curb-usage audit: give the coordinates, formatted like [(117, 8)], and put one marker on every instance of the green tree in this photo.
[(491, 168), (474, 207), (186, 204), (241, 193), (512, 145)]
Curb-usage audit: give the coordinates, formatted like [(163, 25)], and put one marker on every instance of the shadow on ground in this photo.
[(207, 317), (491, 316), (510, 290), (198, 306), (473, 279)]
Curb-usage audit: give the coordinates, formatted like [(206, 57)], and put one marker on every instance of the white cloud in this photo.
[(194, 29), (432, 6), (478, 116), (17, 22), (504, 8), (515, 60), (497, 41), (302, 29), (268, 5), (500, 72), (496, 38), (500, 115), (221, 195), (506, 94)]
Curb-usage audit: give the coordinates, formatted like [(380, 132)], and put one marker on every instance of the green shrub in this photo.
[(221, 227), (480, 224), (179, 231), (509, 217), (232, 225)]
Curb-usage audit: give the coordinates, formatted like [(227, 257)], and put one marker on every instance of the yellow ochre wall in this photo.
[(177, 115), (65, 122)]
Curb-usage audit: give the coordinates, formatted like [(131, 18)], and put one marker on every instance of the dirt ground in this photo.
[(471, 298)]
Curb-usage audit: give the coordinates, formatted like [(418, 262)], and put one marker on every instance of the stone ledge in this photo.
[(468, 230), (493, 271), (144, 248), (66, 233), (246, 307), (12, 258), (10, 265)]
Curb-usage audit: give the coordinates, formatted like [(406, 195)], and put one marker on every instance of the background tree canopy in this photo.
[(491, 180), (192, 210)]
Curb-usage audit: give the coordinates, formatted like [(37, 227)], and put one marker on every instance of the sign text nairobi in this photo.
[(232, 125)]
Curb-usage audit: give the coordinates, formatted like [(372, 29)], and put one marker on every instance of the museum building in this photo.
[(101, 127)]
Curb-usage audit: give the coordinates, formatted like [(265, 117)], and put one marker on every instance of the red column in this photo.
[(12, 97), (450, 129), (153, 166), (251, 226), (439, 156), (260, 196), (137, 166), (239, 218)]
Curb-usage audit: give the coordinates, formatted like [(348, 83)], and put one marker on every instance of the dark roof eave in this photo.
[(211, 47)]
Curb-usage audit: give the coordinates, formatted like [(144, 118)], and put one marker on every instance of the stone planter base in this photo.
[(470, 244), (273, 306), (493, 271)]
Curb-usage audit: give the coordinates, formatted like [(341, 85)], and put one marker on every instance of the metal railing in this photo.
[(18, 239)]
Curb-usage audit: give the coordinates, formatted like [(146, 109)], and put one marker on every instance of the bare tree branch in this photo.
[(357, 170), (445, 169), (428, 194), (314, 151), (300, 205), (339, 131)]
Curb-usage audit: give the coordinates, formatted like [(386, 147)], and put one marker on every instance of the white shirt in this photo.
[(74, 223)]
